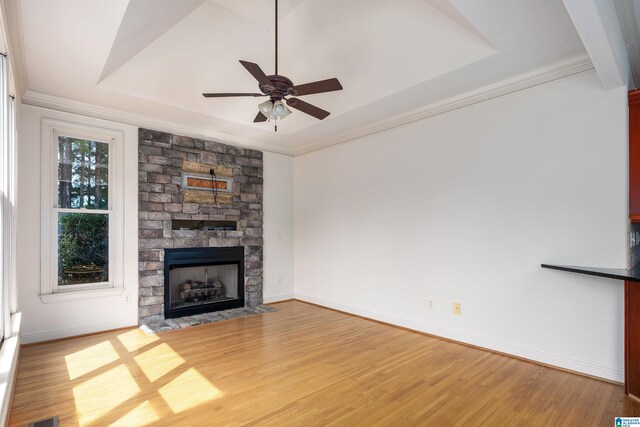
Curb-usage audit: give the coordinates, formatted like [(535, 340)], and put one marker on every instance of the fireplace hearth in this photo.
[(201, 280)]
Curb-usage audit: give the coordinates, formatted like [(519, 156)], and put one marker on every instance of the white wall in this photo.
[(463, 207), (278, 227), (53, 320), (42, 321), (460, 207)]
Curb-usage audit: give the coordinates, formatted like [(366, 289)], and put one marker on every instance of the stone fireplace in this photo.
[(196, 194)]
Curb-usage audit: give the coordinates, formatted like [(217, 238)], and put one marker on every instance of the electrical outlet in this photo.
[(457, 310), (278, 236), (278, 281), (430, 304), (127, 298)]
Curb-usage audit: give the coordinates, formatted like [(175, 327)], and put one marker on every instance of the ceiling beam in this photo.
[(630, 25), (599, 29)]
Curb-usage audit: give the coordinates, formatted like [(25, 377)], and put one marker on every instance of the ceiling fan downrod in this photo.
[(276, 17), (281, 90)]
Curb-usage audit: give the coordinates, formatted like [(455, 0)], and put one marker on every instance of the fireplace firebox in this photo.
[(201, 280)]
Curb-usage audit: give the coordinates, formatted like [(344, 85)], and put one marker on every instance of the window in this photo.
[(7, 199), (83, 212), (10, 301), (82, 222), (6, 180)]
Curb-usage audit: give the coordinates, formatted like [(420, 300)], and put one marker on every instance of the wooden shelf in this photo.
[(206, 225), (632, 275)]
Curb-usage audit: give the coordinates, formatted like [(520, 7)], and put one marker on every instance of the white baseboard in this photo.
[(276, 298), (587, 367), (75, 331)]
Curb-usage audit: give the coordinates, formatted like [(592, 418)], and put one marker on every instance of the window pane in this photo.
[(83, 173), (83, 248)]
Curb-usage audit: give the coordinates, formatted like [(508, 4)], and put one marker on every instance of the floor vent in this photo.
[(47, 422)]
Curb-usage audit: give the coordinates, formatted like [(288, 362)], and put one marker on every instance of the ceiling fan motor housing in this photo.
[(279, 88)]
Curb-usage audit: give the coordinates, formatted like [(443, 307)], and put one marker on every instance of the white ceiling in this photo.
[(154, 58)]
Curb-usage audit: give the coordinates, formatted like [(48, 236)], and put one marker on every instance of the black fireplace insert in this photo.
[(201, 280)]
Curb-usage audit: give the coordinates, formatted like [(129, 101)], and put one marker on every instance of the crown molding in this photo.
[(37, 99), (12, 17), (556, 71)]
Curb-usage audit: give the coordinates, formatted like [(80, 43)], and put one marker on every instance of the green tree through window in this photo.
[(83, 237), (83, 174)]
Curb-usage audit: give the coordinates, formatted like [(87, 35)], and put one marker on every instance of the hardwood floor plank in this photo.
[(302, 365)]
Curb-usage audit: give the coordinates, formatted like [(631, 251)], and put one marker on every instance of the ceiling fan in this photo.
[(278, 88)]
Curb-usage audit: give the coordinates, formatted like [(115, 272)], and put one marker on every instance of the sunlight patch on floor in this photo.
[(135, 339), (188, 390), (99, 395), (141, 415), (88, 360), (158, 361)]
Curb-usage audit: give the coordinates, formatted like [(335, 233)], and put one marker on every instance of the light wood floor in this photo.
[(303, 365)]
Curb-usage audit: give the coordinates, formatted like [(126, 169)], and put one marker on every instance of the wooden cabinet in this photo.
[(634, 155), (632, 338), (632, 289)]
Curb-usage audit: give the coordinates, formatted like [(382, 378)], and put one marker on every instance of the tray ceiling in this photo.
[(156, 57)]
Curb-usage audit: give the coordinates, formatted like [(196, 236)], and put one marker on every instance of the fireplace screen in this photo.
[(203, 284), (200, 280)]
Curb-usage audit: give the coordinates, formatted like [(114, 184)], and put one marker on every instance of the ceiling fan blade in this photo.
[(256, 72), (225, 95), (260, 118), (305, 107), (321, 86)]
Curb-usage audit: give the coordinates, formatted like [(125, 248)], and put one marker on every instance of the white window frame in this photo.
[(5, 208), (50, 291), (11, 303)]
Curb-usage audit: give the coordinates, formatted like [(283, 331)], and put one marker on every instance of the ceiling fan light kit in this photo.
[(280, 110), (278, 87), (266, 108), (274, 110)]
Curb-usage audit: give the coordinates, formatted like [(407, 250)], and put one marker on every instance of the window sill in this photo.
[(81, 294)]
